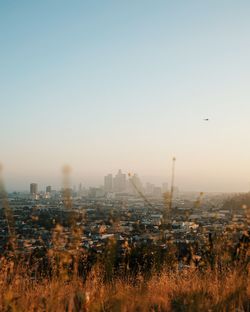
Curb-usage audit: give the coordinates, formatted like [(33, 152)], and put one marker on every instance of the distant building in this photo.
[(135, 185), (95, 192), (48, 189), (108, 183), (120, 182), (33, 188), (80, 188)]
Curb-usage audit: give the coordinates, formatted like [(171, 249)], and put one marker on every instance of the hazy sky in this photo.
[(104, 85)]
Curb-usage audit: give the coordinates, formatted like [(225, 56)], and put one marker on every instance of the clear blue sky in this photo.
[(104, 85)]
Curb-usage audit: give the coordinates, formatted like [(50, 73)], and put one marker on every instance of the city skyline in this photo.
[(21, 183), (109, 184), (119, 182), (109, 85)]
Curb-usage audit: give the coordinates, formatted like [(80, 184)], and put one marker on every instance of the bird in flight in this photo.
[(206, 119)]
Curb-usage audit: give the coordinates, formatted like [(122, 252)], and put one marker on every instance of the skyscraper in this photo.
[(135, 185), (108, 183), (120, 182), (33, 188), (48, 189)]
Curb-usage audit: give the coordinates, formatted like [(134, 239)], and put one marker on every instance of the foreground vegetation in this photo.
[(187, 290), (167, 288)]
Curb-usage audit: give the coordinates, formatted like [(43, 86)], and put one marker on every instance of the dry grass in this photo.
[(188, 290)]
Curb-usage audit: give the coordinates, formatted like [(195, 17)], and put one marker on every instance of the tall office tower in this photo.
[(135, 185), (80, 188), (120, 182), (108, 183), (79, 192), (48, 189), (33, 188)]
